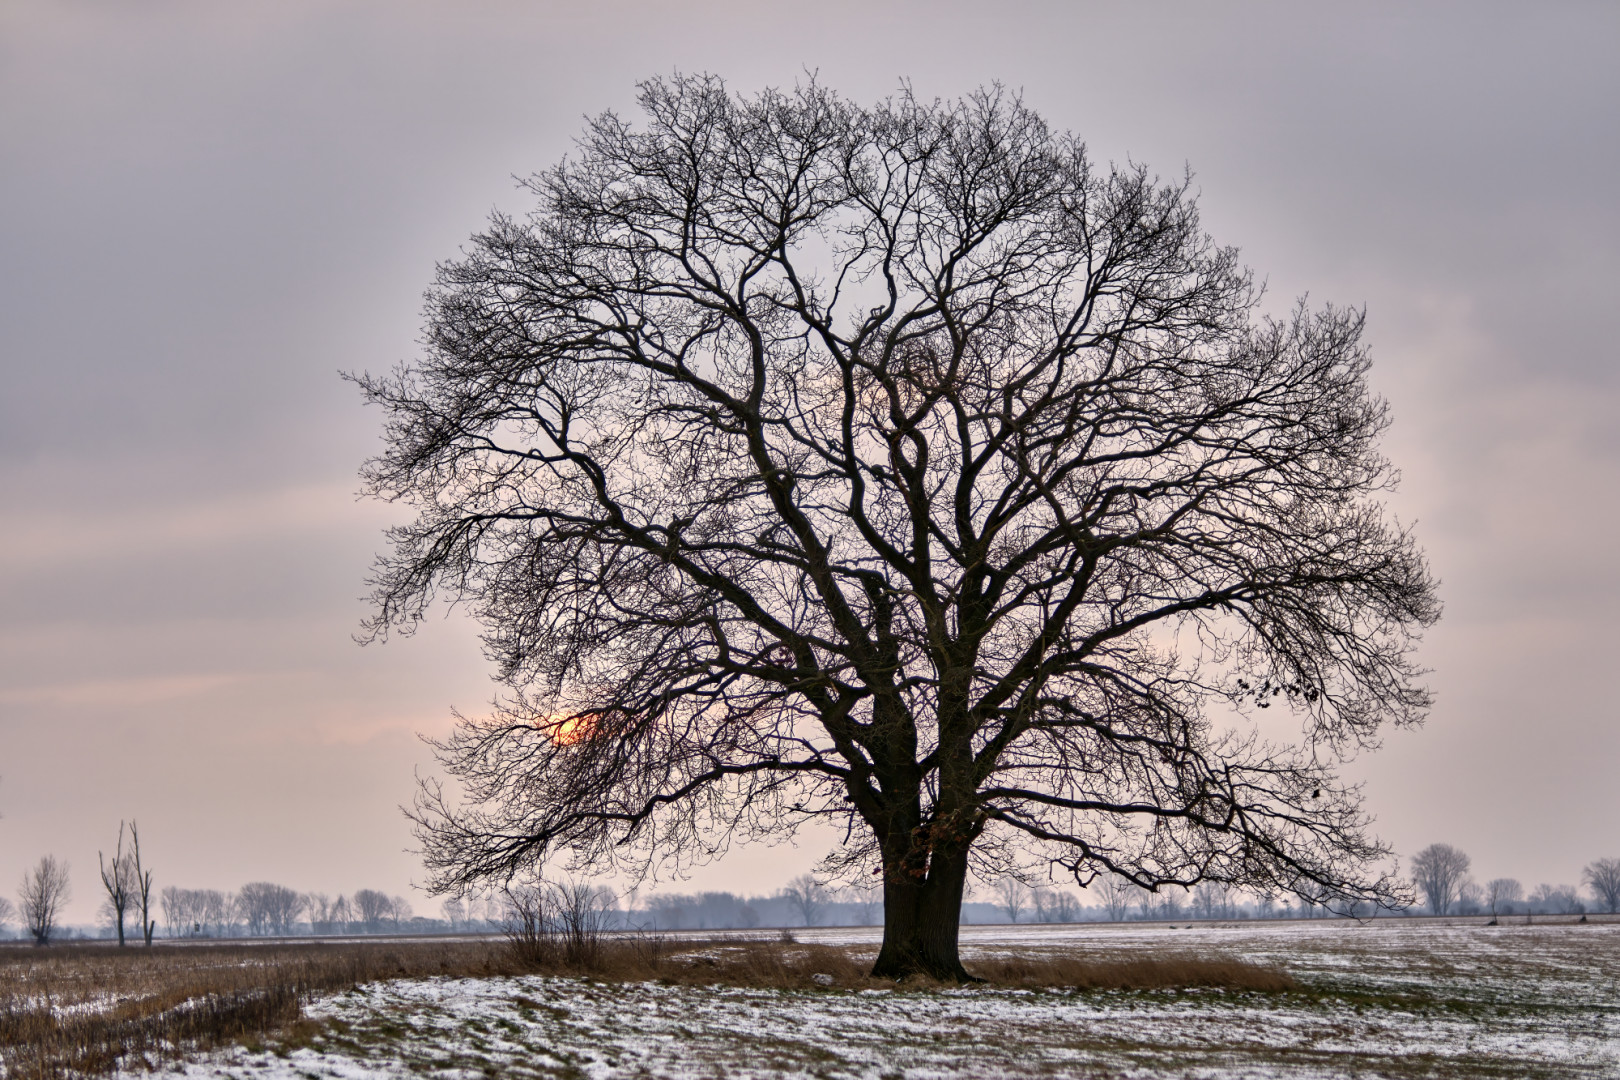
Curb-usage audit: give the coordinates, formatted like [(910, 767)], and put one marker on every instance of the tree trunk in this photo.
[(920, 919)]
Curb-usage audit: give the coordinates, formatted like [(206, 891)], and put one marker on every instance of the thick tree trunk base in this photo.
[(920, 923)]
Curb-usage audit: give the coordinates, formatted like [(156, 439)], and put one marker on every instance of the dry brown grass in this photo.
[(76, 1010), (1133, 974), (80, 1010)]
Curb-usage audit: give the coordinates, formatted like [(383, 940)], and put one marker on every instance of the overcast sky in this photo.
[(208, 209)]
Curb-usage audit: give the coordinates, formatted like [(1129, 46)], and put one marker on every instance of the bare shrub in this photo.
[(527, 930), (558, 925)]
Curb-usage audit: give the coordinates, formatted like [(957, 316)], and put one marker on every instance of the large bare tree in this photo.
[(898, 466)]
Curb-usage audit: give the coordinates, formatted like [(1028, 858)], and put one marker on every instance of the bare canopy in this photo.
[(898, 466), (1440, 872), (1603, 876), (44, 891)]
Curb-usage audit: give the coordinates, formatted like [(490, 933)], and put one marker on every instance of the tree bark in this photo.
[(921, 916)]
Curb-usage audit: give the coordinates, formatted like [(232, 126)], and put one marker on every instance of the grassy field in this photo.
[(1397, 998)]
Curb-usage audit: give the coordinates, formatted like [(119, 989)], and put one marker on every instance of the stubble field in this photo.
[(1397, 998), (1391, 997)]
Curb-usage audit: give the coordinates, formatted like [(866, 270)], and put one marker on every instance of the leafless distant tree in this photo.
[(269, 908), (1163, 904), (184, 911), (143, 885), (119, 881), (1470, 898), (41, 896), (1557, 900), (318, 907), (807, 460), (1012, 896), (322, 910), (1212, 900), (220, 912), (808, 897), (342, 915), (399, 911), (668, 912), (867, 900), (454, 911), (1603, 878), (1117, 895), (1440, 871), (1053, 905), (1500, 894), (8, 913), (371, 907)]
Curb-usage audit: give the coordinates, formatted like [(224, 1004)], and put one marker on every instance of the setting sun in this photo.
[(569, 729)]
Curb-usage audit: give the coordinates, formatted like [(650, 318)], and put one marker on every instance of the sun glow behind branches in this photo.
[(568, 729)]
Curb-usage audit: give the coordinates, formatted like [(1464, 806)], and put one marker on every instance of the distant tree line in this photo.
[(1440, 879), (1440, 873), (265, 909)]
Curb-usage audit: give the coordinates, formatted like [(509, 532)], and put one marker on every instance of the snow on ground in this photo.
[(1385, 998)]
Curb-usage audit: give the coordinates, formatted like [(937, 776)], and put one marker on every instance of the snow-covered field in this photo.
[(1392, 998)]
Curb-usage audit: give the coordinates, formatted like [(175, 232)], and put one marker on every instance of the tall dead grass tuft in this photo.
[(768, 965), (1136, 973)]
